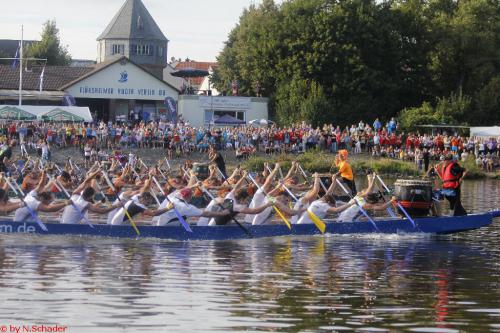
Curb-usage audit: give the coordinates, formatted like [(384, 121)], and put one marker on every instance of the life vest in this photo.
[(449, 180)]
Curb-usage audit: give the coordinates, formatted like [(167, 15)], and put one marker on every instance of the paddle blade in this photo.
[(183, 222), (317, 222), (132, 223), (391, 213), (280, 214), (407, 215), (41, 225), (37, 219)]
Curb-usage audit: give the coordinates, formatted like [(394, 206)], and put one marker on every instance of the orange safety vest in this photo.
[(449, 180)]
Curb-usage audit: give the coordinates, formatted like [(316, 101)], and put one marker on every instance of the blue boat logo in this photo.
[(123, 77)]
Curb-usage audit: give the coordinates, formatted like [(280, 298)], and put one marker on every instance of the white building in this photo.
[(118, 87), (203, 110)]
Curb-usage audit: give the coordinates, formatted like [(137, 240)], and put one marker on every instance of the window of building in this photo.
[(160, 51), (213, 115), (118, 49), (142, 49)]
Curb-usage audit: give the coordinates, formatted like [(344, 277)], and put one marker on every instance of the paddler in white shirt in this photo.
[(38, 201), (224, 193), (82, 198), (307, 199), (324, 206), (261, 197), (138, 204), (367, 200), (180, 200), (233, 201)]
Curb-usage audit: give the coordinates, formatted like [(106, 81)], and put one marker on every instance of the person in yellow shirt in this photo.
[(345, 170)]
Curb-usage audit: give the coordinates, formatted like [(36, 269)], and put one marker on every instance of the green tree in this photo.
[(49, 47), (411, 117), (486, 104), (454, 109), (365, 58), (467, 48), (299, 100)]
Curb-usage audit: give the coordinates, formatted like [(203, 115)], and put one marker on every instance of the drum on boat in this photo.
[(414, 195), (201, 170)]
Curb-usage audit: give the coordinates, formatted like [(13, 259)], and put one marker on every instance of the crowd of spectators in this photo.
[(181, 140)]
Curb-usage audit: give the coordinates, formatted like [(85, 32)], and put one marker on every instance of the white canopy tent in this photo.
[(485, 131), (48, 113)]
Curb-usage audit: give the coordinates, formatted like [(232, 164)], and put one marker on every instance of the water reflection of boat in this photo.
[(149, 282), (430, 225)]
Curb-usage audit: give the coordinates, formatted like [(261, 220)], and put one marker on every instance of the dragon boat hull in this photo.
[(429, 225)]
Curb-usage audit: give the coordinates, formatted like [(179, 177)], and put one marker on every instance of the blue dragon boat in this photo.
[(428, 225)]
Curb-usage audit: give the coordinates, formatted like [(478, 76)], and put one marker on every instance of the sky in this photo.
[(196, 28)]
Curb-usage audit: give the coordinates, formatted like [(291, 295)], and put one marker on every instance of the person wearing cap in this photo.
[(345, 170), (180, 200), (452, 175)]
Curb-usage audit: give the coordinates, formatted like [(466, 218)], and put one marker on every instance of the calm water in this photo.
[(308, 284)]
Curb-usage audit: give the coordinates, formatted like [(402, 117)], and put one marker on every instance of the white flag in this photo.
[(41, 79)]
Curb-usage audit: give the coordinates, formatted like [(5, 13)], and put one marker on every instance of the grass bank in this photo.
[(316, 161), (473, 171)]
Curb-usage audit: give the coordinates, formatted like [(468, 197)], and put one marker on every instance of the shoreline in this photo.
[(312, 161)]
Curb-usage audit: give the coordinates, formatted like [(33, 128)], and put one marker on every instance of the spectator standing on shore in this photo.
[(377, 125), (426, 156)]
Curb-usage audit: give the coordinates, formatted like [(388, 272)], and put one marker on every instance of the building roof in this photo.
[(102, 65), (204, 65), (133, 21), (57, 78), (54, 77)]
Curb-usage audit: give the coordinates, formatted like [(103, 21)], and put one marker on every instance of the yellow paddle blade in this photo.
[(317, 221), (132, 223), (280, 214)]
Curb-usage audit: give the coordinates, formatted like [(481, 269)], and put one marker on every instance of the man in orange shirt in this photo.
[(345, 170)]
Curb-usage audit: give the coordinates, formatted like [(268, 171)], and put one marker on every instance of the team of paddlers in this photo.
[(172, 197)]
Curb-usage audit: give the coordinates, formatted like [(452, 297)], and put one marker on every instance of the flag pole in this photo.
[(21, 68)]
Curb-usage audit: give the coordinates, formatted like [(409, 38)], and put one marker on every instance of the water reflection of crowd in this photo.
[(181, 139)]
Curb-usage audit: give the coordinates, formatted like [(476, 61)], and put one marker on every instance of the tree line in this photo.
[(340, 61)]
